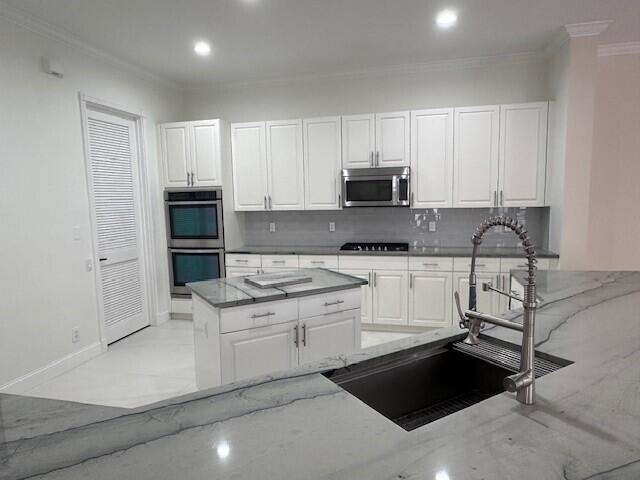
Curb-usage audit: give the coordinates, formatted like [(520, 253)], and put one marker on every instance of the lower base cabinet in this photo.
[(329, 335), (487, 302), (390, 297), (366, 307), (430, 299)]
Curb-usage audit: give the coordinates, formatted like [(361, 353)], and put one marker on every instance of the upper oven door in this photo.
[(195, 224)]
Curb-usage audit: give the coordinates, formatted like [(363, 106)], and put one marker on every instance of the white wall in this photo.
[(488, 83), (44, 286)]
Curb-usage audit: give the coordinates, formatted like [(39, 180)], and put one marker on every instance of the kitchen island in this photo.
[(300, 425), (241, 330)]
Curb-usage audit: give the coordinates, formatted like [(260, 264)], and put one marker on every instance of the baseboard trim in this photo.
[(51, 370)]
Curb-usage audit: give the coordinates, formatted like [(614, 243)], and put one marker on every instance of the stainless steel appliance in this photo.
[(376, 187), (375, 247), (195, 236)]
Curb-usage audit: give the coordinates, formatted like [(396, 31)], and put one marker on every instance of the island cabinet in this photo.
[(430, 291), (239, 342)]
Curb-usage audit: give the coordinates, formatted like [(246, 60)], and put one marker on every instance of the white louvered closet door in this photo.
[(114, 189)]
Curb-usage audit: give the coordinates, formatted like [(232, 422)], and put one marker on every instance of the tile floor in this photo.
[(152, 365)]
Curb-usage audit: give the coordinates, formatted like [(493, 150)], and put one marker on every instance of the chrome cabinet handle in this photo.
[(430, 264), (337, 302), (317, 262), (479, 265), (371, 164), (265, 202), (268, 314), (411, 202), (339, 199), (193, 182), (374, 278), (377, 159), (369, 278), (304, 334), (295, 336), (410, 281), (502, 198), (279, 262), (269, 202), (241, 260), (495, 198)]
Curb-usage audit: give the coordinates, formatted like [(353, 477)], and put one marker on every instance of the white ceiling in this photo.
[(258, 39)]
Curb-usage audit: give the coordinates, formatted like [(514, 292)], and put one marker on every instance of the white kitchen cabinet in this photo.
[(285, 172), (358, 141), (430, 295), (366, 298), (249, 155), (390, 300), (329, 335), (392, 139), (487, 302), (322, 163), (191, 153), (523, 154), (475, 156), (258, 351), (432, 158)]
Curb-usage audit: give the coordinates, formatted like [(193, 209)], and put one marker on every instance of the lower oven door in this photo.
[(193, 265)]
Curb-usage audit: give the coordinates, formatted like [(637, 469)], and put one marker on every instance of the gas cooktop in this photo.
[(375, 247)]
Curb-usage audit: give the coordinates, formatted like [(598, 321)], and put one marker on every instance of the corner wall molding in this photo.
[(52, 32), (587, 29), (627, 48)]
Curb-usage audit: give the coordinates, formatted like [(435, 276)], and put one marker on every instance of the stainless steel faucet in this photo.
[(523, 382)]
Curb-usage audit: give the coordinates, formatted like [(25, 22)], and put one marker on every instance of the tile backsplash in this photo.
[(450, 227)]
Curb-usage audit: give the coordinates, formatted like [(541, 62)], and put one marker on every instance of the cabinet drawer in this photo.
[(329, 303), (242, 260), (319, 261), (483, 264), (241, 271), (507, 264), (251, 316), (431, 264), (373, 262), (280, 261)]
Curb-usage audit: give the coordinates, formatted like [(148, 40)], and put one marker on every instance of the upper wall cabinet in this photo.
[(523, 154), (380, 140), (322, 163), (285, 173), (249, 152), (431, 158), (475, 157), (268, 169), (191, 153)]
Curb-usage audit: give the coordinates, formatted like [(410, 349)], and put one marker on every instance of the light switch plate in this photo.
[(432, 226), (272, 227), (332, 226)]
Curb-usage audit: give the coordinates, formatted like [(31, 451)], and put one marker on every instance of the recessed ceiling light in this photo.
[(202, 48), (447, 18)]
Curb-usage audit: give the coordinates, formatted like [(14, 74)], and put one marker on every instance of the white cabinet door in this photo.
[(174, 141), (285, 165), (430, 298), (329, 335), (358, 141), (392, 139), (432, 158), (248, 151), (258, 351), (366, 306), (322, 163), (205, 153), (475, 157), (390, 299), (487, 302), (523, 154)]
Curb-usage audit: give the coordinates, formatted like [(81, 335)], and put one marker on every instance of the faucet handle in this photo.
[(464, 321)]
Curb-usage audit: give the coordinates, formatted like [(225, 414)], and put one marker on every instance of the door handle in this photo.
[(371, 164), (374, 279), (265, 202), (295, 336), (304, 334), (369, 278), (269, 202), (377, 159), (103, 259), (268, 314), (501, 198), (410, 281), (495, 198), (337, 302)]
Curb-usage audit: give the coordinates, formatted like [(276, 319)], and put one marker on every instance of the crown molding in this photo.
[(627, 48), (51, 32), (587, 29), (400, 69)]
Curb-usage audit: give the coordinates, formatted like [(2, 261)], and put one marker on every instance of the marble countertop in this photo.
[(232, 292), (299, 425), (427, 251)]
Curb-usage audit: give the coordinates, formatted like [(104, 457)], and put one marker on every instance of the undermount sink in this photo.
[(420, 385)]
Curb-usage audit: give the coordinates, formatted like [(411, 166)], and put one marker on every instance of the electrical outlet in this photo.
[(432, 226), (272, 227), (332, 226), (75, 334)]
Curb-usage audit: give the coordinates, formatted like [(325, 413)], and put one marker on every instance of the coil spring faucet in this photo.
[(523, 383)]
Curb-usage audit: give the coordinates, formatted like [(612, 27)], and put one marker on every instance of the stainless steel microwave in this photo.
[(376, 187)]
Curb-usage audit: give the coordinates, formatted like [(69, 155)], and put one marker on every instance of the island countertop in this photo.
[(233, 292), (299, 425)]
